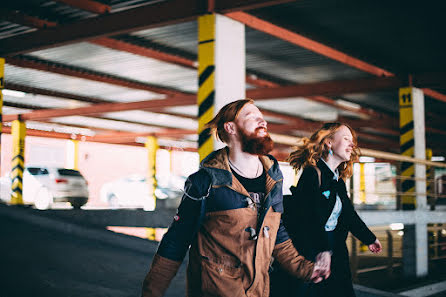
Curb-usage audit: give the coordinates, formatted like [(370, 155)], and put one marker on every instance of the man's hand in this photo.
[(375, 247), (321, 267)]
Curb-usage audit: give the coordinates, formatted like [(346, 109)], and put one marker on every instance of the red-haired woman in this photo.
[(319, 214)]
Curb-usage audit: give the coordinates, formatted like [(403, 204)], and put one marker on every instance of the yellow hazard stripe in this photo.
[(206, 148), (206, 82), (407, 199), (409, 171), (206, 38), (406, 137), (205, 118), (18, 161), (407, 143)]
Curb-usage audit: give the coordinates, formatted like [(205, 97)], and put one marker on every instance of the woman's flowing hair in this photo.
[(312, 149)]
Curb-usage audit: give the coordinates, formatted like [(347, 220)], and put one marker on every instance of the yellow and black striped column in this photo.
[(18, 161), (152, 147), (206, 85), (2, 86), (408, 201)]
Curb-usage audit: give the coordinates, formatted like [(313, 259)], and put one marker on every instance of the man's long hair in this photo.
[(312, 149), (227, 113)]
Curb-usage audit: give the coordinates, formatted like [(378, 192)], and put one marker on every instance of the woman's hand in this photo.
[(375, 247), (321, 267)]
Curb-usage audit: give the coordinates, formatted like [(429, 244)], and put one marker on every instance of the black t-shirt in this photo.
[(254, 186)]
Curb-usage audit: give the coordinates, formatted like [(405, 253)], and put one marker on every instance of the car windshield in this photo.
[(37, 171), (69, 172)]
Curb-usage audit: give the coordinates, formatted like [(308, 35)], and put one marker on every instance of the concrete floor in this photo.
[(43, 256), (36, 261)]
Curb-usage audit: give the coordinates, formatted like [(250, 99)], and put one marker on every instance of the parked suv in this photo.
[(44, 186)]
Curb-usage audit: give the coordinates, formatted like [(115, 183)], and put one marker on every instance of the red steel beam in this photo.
[(98, 109), (317, 47), (174, 59), (115, 138), (144, 51), (87, 5), (297, 39), (52, 93), (226, 6), (143, 17), (303, 90), (49, 66), (18, 17), (434, 94), (169, 58), (251, 79), (328, 88)]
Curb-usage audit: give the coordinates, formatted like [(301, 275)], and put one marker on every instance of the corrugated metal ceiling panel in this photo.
[(264, 53), (8, 29), (302, 107), (43, 101), (84, 87), (105, 124), (154, 119), (123, 64)]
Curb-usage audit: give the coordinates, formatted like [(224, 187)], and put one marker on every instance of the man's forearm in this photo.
[(161, 273), (288, 257)]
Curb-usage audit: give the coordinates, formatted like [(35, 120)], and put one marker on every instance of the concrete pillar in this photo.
[(152, 147), (18, 161), (415, 250), (221, 71), (72, 154), (430, 182), (413, 144)]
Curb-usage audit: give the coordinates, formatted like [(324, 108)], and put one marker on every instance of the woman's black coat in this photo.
[(305, 213)]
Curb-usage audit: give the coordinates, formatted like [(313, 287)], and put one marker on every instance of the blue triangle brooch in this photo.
[(326, 194)]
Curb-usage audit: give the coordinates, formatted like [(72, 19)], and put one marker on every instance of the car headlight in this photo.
[(160, 194)]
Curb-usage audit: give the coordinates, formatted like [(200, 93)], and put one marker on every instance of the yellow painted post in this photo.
[(151, 233), (72, 154), (362, 197), (152, 147), (430, 177), (76, 154), (18, 161), (407, 143), (2, 86), (206, 86)]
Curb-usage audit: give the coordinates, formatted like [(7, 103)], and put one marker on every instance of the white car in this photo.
[(134, 191), (45, 186)]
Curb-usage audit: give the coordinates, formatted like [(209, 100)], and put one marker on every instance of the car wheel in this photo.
[(113, 201), (76, 204), (43, 199)]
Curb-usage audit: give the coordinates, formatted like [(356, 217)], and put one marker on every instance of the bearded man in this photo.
[(230, 217)]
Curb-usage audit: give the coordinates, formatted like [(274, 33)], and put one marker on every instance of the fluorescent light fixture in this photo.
[(364, 159), (13, 93), (396, 226), (437, 159), (348, 104)]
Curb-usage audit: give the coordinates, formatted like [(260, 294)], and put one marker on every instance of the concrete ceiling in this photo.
[(104, 68)]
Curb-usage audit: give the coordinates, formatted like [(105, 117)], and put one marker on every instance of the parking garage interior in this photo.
[(120, 90)]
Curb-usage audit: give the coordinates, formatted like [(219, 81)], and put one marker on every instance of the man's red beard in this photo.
[(253, 144)]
